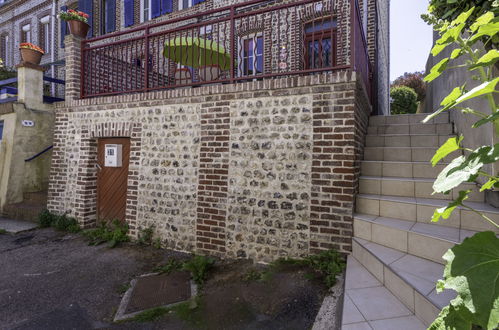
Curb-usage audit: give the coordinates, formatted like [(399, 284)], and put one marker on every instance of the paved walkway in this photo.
[(369, 305), (16, 226)]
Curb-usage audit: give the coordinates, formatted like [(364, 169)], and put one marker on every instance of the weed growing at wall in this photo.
[(199, 266), (145, 236), (170, 266), (113, 233), (59, 222)]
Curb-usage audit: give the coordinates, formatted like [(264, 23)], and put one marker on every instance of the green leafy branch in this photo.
[(473, 265)]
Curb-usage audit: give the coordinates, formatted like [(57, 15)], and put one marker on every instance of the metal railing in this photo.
[(252, 40), (8, 90), (55, 94)]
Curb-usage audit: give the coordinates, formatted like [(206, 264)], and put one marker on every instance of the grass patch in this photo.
[(199, 266), (123, 288), (189, 312), (3, 231), (170, 266), (327, 265), (60, 222), (145, 236), (114, 233), (157, 243), (150, 315)]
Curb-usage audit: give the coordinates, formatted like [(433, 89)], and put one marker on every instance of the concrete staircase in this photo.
[(29, 209), (397, 251)]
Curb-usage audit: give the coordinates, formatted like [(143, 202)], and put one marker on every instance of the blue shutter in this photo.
[(111, 16), (155, 8), (87, 6), (195, 2), (129, 16), (64, 27), (166, 6)]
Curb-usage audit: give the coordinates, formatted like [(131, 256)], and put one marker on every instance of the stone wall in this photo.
[(255, 170)]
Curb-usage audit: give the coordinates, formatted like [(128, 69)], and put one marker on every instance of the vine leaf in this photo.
[(446, 211), (462, 168), (492, 117), (472, 271), (493, 182), (489, 29), (482, 89), (447, 102), (452, 318), (484, 19), (452, 144), (489, 58), (437, 70)]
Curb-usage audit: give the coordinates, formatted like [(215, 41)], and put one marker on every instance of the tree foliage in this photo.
[(404, 100), (412, 80)]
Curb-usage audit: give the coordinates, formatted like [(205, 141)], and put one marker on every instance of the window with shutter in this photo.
[(129, 12), (145, 10), (108, 16), (4, 49), (87, 7)]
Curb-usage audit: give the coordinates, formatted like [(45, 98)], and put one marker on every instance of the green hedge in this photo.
[(404, 100)]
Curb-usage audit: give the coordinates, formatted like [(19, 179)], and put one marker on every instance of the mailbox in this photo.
[(113, 155)]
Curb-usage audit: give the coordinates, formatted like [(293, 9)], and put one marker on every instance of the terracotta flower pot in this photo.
[(78, 28), (31, 55)]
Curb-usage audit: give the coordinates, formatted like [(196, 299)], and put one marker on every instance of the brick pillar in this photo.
[(333, 172), (73, 62), (213, 178)]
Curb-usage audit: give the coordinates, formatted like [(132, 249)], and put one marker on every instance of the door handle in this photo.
[(98, 167)]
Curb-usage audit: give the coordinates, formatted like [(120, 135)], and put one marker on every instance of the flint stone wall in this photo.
[(253, 170)]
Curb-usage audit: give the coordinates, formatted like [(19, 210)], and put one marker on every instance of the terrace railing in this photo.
[(252, 40)]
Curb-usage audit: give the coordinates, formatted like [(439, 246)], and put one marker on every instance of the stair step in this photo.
[(423, 240), (403, 140), (407, 119), (439, 129), (403, 154), (23, 211), (414, 187), (421, 210), (359, 311), (401, 169), (411, 279)]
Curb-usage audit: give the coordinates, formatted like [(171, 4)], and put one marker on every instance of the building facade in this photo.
[(251, 151)]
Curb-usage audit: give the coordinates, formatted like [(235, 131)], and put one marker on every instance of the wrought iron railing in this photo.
[(252, 40)]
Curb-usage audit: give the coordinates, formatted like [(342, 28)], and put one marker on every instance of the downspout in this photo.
[(52, 55)]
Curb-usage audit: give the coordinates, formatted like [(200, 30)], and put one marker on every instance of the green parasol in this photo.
[(196, 52)]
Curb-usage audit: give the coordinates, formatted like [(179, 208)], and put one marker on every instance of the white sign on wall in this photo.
[(113, 155), (28, 123)]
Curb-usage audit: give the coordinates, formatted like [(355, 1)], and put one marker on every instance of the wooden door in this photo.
[(112, 182)]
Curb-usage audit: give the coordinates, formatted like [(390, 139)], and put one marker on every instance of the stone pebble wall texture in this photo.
[(256, 170)]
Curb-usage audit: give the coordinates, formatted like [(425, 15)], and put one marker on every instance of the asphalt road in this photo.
[(51, 280)]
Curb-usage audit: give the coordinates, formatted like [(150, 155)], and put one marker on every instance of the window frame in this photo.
[(190, 4), (26, 33), (331, 33), (2, 128), (46, 33), (5, 48), (142, 10), (241, 58)]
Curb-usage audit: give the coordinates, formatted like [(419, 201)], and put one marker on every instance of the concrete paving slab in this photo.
[(16, 226)]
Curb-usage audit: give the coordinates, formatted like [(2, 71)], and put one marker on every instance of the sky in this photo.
[(410, 37)]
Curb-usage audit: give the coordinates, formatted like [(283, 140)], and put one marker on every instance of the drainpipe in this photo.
[(52, 53)]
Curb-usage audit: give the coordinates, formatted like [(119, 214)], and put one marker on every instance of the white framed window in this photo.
[(4, 50), (45, 37), (145, 10), (26, 33), (184, 4), (250, 57)]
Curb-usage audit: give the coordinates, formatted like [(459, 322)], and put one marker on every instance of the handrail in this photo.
[(39, 154), (54, 80), (8, 81)]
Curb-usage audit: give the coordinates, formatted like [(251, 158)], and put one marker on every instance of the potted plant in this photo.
[(31, 53), (77, 21)]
